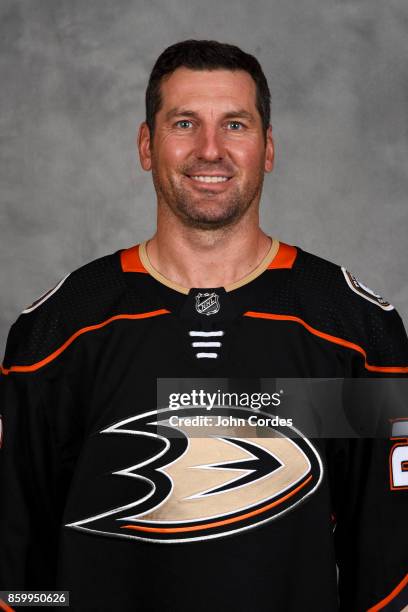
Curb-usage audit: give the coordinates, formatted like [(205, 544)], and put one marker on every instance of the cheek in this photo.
[(172, 152), (249, 157)]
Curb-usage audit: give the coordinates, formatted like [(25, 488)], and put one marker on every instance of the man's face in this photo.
[(208, 154)]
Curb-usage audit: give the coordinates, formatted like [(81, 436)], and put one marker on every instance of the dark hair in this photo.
[(205, 55)]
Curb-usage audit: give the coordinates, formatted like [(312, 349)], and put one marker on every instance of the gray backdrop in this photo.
[(73, 75)]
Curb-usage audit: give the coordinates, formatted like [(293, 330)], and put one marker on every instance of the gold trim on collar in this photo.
[(260, 268)]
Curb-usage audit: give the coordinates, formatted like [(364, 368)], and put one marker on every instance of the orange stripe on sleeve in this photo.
[(329, 338), (5, 607), (284, 258), (130, 260), (381, 604), (43, 362)]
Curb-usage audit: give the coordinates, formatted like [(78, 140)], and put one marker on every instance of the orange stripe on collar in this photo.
[(130, 260), (284, 258)]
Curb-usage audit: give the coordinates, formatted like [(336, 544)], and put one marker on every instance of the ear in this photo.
[(143, 144), (269, 150)]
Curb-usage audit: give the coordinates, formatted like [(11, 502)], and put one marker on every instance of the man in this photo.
[(106, 490)]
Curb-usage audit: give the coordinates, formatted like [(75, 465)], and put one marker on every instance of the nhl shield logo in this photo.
[(207, 303)]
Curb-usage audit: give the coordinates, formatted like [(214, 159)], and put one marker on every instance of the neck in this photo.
[(207, 258)]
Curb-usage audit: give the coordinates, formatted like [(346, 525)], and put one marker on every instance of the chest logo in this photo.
[(168, 485), (207, 303)]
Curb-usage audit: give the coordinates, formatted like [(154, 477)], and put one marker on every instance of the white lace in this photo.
[(206, 343)]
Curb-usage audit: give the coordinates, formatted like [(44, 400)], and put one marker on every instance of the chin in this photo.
[(205, 212), (207, 222)]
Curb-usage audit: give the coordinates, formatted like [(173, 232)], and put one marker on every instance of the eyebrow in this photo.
[(185, 112)]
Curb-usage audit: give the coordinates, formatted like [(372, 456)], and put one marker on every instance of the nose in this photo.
[(209, 144)]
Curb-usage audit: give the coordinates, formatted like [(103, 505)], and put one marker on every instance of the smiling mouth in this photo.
[(209, 179)]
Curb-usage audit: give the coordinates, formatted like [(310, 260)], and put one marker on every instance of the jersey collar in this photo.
[(280, 255)]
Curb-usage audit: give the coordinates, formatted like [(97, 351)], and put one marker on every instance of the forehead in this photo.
[(197, 89)]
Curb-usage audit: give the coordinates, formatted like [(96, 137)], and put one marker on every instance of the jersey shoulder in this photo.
[(331, 303), (87, 297), (339, 304), (320, 276)]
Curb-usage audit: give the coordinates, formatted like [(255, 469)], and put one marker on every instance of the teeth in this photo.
[(210, 179)]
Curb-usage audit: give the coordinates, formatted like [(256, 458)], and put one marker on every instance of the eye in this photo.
[(184, 124), (235, 126)]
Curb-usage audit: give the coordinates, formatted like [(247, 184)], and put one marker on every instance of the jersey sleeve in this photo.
[(43, 394), (28, 461), (34, 471), (369, 475)]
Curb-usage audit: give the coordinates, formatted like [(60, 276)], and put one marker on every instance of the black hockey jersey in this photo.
[(115, 487)]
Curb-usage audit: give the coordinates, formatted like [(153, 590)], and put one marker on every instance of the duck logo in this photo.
[(197, 488), (207, 303)]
